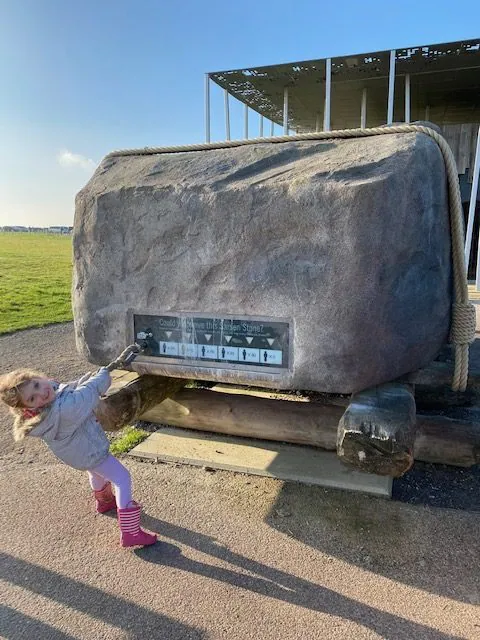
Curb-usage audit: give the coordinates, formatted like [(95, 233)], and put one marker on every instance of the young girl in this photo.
[(63, 416)]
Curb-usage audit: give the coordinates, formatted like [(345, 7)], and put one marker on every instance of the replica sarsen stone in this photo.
[(347, 240)]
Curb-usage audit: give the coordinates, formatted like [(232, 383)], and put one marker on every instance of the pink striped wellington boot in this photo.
[(131, 534), (105, 500)]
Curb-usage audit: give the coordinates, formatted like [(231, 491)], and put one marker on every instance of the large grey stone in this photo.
[(349, 238)]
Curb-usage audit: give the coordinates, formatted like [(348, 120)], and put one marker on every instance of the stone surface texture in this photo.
[(349, 239)]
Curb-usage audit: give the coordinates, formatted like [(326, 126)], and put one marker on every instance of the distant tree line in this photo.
[(20, 229)]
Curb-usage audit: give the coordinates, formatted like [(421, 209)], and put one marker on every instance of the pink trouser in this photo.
[(114, 471)]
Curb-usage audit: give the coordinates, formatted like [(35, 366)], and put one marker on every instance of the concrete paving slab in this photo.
[(257, 457)]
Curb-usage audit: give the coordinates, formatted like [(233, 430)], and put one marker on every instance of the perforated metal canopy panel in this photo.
[(445, 77)]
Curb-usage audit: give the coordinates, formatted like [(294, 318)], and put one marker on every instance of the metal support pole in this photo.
[(260, 131), (272, 128), (407, 98), (471, 212), (391, 87), (245, 132), (227, 116), (363, 113), (285, 111), (328, 92), (207, 108)]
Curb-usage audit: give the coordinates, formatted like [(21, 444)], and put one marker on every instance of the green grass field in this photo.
[(35, 280)]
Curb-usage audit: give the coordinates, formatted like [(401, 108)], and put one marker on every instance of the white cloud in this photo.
[(68, 159)]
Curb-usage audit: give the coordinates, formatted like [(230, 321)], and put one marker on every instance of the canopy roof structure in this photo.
[(441, 82)]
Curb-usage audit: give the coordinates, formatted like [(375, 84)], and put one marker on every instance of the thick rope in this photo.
[(463, 313)]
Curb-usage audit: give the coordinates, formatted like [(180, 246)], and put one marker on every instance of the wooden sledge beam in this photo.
[(251, 416), (130, 395), (438, 439)]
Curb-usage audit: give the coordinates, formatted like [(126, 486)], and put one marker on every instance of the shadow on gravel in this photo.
[(274, 583), (15, 625), (426, 537), (136, 621)]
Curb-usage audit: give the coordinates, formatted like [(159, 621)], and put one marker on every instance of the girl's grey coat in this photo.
[(70, 427)]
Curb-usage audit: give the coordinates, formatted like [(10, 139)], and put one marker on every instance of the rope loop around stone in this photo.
[(463, 323)]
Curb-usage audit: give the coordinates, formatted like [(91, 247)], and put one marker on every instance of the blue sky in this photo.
[(81, 78)]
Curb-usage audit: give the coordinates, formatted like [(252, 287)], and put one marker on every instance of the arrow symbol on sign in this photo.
[(270, 341), (249, 340), (208, 336), (169, 333)]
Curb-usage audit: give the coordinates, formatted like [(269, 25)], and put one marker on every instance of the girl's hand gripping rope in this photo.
[(125, 358)]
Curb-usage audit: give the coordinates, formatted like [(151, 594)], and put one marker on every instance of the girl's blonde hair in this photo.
[(10, 385)]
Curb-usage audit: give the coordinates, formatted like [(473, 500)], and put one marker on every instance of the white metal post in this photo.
[(363, 113), (207, 108), (391, 87), (272, 128), (260, 130), (328, 94), (245, 132), (285, 111), (473, 198), (471, 212), (227, 116), (407, 98)]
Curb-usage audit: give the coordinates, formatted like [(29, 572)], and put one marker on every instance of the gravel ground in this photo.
[(239, 557)]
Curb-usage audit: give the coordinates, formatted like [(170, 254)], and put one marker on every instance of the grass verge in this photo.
[(127, 439), (35, 280)]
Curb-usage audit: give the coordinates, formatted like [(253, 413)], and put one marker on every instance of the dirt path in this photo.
[(239, 558)]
